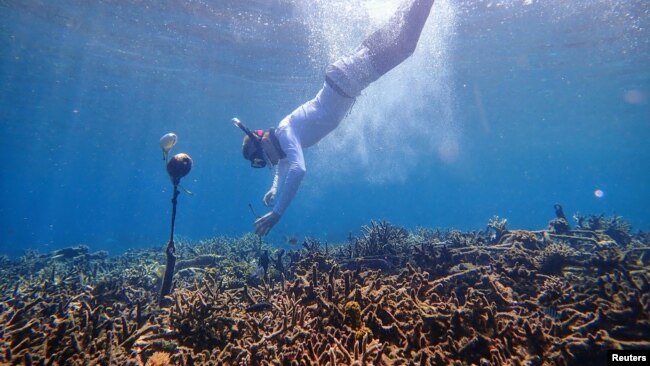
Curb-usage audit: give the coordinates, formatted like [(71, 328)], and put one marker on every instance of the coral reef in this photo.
[(557, 296)]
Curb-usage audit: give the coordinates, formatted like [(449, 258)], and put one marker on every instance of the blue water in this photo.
[(506, 108)]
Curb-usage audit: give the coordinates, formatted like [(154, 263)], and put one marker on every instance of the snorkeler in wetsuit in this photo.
[(282, 147)]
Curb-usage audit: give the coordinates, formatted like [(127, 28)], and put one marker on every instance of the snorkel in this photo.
[(259, 158)]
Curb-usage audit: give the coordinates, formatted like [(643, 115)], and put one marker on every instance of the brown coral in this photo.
[(353, 314), (531, 297), (158, 359)]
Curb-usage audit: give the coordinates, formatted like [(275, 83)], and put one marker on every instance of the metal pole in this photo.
[(171, 252)]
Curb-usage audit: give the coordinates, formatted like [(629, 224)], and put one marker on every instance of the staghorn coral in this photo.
[(615, 227), (353, 315), (525, 239), (551, 290), (559, 226), (158, 359), (554, 257), (499, 225), (450, 298), (378, 238)]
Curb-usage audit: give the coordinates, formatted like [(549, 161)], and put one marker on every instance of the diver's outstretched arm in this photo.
[(396, 40)]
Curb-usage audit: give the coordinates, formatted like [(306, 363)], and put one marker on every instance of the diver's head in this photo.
[(252, 148)]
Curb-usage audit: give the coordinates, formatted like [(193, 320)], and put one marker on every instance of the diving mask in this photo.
[(259, 158)]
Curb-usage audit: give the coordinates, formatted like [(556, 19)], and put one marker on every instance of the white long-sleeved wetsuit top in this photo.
[(309, 123), (313, 120), (303, 128)]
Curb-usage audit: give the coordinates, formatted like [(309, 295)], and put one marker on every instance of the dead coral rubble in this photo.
[(558, 296)]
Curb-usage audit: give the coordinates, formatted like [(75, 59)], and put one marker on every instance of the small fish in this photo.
[(259, 273), (259, 307), (552, 313), (291, 240), (371, 263), (167, 142)]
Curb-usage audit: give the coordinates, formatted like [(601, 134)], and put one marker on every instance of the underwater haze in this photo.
[(505, 108)]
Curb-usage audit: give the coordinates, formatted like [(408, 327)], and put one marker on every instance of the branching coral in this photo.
[(554, 257), (379, 238), (499, 225), (615, 227), (446, 298)]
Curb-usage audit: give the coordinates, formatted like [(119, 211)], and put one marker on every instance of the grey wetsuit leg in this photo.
[(396, 41), (381, 51)]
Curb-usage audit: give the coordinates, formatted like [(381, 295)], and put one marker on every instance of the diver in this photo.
[(282, 147)]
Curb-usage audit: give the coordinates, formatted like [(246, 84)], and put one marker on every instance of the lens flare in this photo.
[(448, 151), (634, 97)]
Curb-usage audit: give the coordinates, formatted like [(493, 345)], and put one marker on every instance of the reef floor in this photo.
[(563, 295)]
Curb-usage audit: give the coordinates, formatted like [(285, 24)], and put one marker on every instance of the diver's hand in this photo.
[(265, 223), (269, 197)]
